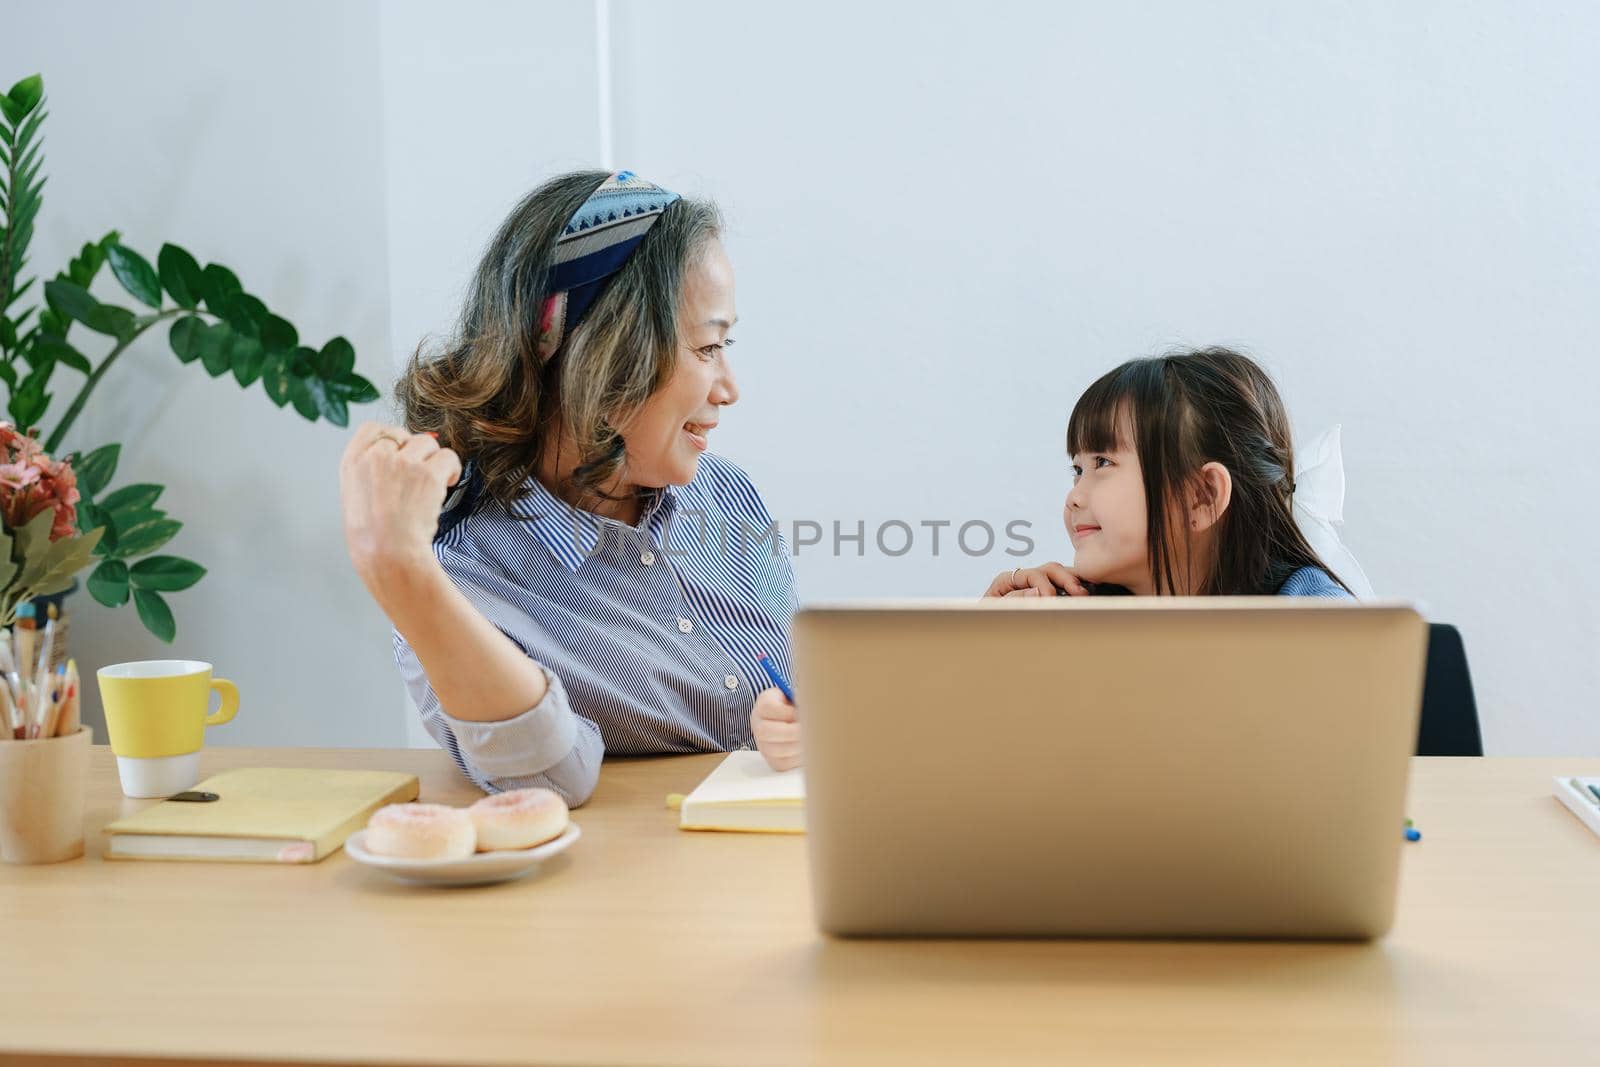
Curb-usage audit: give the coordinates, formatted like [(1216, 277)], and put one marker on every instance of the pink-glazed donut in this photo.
[(519, 818), (421, 832)]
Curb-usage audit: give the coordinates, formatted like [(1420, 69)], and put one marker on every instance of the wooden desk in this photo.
[(649, 945)]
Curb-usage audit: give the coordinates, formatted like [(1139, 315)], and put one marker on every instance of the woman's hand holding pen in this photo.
[(393, 484), (1049, 579), (777, 729)]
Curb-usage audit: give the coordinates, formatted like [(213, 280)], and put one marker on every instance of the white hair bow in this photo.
[(1319, 508)]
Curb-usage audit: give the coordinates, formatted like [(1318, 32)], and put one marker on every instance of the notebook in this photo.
[(1579, 795), (744, 794), (262, 815)]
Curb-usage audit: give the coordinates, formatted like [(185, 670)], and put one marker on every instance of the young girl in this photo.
[(1182, 482)]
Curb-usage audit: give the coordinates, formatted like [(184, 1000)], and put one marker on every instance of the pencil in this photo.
[(27, 635), (42, 674), (55, 698), (70, 720)]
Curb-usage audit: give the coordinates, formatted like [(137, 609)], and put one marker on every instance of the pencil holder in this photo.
[(42, 784)]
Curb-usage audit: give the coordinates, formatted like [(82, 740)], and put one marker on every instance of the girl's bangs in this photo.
[(1101, 420)]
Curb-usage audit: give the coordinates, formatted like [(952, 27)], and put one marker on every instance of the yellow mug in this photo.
[(156, 718)]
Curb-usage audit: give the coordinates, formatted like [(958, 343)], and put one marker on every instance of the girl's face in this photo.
[(1106, 520), (667, 434)]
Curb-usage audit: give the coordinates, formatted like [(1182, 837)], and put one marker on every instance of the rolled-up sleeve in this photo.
[(548, 745)]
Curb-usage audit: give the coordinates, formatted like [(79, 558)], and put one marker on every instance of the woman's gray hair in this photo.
[(488, 395)]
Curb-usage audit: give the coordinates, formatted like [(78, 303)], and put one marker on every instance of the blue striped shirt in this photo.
[(647, 634)]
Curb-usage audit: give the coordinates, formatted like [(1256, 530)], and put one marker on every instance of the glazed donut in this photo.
[(518, 818), (421, 832)]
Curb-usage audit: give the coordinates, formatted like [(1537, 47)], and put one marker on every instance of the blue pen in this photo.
[(777, 679)]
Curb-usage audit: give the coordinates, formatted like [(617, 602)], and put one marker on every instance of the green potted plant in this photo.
[(211, 321)]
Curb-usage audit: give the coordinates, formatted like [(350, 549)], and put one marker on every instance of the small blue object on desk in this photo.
[(777, 678), (1412, 833)]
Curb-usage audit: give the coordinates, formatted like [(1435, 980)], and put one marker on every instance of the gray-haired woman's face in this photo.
[(666, 436)]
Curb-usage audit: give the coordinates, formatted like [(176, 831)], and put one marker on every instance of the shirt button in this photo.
[(731, 682), (684, 625), (648, 558)]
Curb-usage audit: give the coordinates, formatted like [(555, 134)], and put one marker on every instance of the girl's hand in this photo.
[(392, 484), (1050, 579), (777, 730)]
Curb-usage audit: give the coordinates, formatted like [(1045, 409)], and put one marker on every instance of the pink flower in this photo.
[(32, 482)]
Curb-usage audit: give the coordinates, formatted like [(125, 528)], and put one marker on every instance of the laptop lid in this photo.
[(1167, 767)]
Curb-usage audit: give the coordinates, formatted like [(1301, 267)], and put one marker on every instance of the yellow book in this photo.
[(744, 794), (262, 815)]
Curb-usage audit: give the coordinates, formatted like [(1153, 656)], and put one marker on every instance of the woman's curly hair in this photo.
[(486, 393)]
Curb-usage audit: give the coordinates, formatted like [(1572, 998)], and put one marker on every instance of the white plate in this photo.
[(480, 868)]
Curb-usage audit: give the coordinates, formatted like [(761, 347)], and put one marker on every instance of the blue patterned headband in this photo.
[(594, 246)]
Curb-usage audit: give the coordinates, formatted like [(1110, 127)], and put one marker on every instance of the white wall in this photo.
[(250, 135), (946, 222), (480, 104), (949, 219)]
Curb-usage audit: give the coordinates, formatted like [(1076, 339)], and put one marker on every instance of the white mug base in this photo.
[(161, 776)]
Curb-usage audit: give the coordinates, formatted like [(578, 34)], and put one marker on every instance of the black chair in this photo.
[(1449, 712)]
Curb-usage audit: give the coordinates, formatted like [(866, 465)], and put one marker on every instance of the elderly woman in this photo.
[(591, 580)]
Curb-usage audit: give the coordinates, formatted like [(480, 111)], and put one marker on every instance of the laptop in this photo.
[(1161, 767)]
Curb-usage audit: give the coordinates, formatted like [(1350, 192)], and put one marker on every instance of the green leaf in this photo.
[(334, 409), (88, 261), (248, 356), (170, 574), (256, 310), (155, 614), (136, 274), (25, 95), (304, 393), (132, 498), (29, 402), (216, 348), (234, 309), (117, 322), (185, 337), (276, 379), (108, 583), (73, 300), (336, 360), (96, 469), (127, 519), (353, 390), (146, 538), (58, 349), (181, 276), (278, 335), (303, 362), (217, 284), (89, 517)]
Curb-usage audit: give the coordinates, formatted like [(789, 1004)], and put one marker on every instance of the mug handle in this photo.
[(230, 702)]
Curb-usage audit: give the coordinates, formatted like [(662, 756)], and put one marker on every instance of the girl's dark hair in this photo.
[(490, 398), (1185, 409)]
